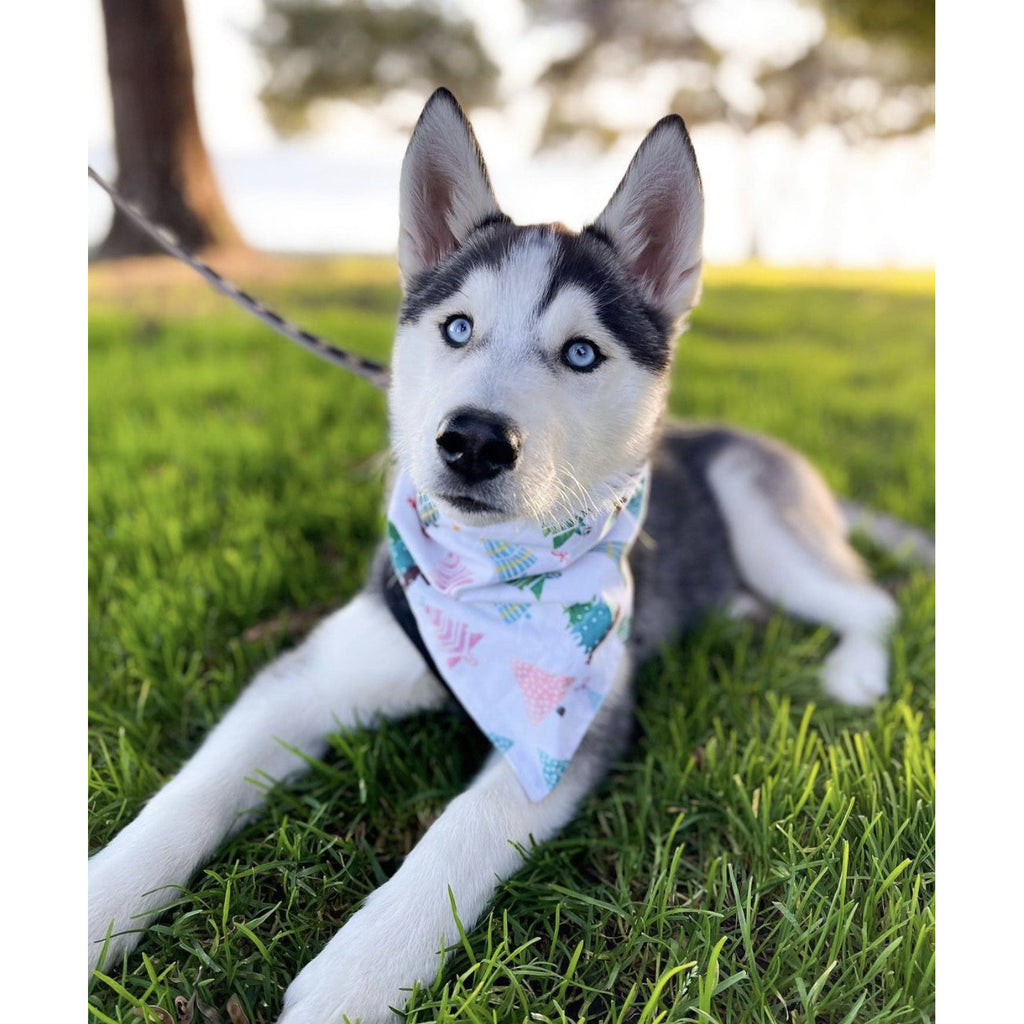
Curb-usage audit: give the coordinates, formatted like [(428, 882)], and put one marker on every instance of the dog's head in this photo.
[(531, 364)]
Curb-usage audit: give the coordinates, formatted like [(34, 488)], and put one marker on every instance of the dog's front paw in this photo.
[(130, 881), (112, 932), (365, 973), (857, 671)]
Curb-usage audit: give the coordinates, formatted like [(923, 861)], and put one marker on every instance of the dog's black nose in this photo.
[(478, 445)]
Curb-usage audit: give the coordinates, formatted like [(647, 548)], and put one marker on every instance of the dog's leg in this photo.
[(788, 540), (357, 665), (398, 937)]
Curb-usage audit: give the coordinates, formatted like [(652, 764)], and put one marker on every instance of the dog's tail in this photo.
[(375, 373), (903, 540)]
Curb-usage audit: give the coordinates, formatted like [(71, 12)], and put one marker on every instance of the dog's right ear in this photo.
[(445, 190), (656, 218)]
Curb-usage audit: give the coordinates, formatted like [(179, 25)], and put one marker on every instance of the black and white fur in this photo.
[(504, 427)]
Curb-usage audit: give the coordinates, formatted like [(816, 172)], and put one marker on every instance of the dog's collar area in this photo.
[(526, 624)]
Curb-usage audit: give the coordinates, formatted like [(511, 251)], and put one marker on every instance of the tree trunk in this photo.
[(161, 158)]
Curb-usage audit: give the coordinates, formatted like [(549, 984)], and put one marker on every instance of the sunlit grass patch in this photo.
[(761, 855)]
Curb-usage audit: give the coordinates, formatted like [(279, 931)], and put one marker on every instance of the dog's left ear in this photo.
[(445, 189), (656, 218)]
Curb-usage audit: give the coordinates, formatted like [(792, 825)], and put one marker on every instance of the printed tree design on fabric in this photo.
[(405, 568), (614, 549), (567, 530), (452, 573), (511, 560), (636, 503), (624, 627), (590, 622), (535, 584), (501, 743), (426, 510), (541, 691), (454, 637), (513, 611), (552, 767)]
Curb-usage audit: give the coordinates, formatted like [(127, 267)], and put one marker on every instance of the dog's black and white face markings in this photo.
[(510, 337)]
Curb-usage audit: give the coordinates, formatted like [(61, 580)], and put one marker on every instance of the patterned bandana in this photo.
[(527, 625)]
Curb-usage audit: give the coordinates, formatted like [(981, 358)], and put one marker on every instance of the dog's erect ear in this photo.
[(656, 218), (445, 190)]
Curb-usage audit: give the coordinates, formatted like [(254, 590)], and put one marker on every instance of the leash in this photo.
[(376, 373)]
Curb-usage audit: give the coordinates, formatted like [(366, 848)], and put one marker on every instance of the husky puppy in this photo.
[(529, 381)]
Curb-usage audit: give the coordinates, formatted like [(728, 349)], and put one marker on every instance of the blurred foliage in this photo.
[(615, 38), (316, 49), (873, 72), (869, 70), (908, 22)]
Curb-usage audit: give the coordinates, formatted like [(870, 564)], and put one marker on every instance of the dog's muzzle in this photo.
[(478, 445)]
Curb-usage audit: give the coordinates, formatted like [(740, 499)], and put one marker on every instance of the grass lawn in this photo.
[(760, 856)]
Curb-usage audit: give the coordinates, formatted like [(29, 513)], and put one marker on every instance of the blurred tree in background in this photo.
[(867, 67), (872, 72), (358, 49), (616, 40), (162, 163), (870, 69)]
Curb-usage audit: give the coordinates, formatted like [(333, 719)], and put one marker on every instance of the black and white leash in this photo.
[(376, 373)]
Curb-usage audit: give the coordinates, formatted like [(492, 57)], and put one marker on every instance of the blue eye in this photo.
[(580, 354), (457, 330)]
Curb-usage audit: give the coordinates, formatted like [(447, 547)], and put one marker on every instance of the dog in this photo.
[(531, 458)]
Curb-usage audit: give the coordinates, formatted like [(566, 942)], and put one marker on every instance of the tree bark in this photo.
[(162, 161)]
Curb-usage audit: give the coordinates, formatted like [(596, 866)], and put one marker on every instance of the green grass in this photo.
[(761, 855)]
